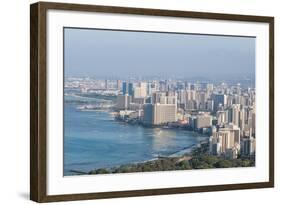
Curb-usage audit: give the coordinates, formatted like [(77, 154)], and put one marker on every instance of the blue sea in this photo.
[(94, 139)]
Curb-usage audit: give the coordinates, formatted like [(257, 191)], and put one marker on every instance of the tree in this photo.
[(183, 165), (223, 164)]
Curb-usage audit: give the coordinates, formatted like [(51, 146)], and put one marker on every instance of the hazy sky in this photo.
[(96, 53)]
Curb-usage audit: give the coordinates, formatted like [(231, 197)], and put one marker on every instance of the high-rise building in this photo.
[(164, 98), (224, 138), (188, 97), (210, 105), (164, 113), (171, 99), (222, 117), (140, 91), (157, 114), (229, 101), (209, 89), (248, 146), (156, 97), (242, 119), (127, 88), (202, 121), (201, 100), (253, 123), (139, 101), (119, 85), (191, 94), (219, 100), (214, 146), (163, 109), (191, 105), (123, 101), (148, 114), (151, 87), (234, 130), (234, 114), (225, 141), (182, 97), (236, 99)]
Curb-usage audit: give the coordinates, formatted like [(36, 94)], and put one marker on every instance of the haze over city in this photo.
[(123, 54)]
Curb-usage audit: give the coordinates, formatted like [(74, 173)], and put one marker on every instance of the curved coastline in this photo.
[(184, 140), (178, 156)]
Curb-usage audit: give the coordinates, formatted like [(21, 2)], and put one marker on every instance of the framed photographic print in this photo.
[(134, 102)]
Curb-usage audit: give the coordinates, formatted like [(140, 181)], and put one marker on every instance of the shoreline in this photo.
[(177, 156), (106, 110), (196, 158)]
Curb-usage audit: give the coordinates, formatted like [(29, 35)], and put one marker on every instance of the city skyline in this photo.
[(148, 101), (224, 114), (99, 53)]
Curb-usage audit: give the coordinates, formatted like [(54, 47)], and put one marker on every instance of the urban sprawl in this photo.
[(226, 113)]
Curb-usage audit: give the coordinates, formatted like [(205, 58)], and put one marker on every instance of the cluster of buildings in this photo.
[(154, 107), (234, 132), (225, 112)]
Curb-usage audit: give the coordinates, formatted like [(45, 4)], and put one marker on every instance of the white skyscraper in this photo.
[(234, 114), (141, 90)]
